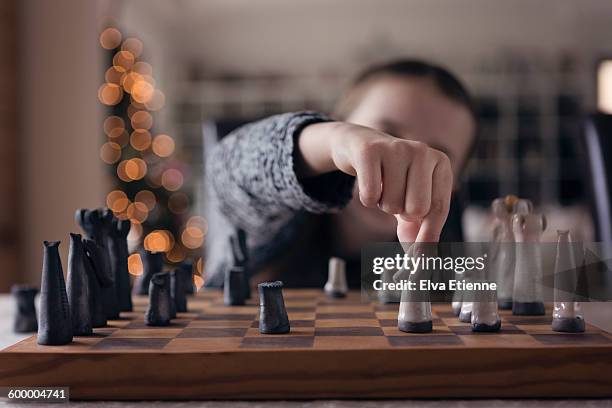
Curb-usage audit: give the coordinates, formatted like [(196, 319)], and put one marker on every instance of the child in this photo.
[(305, 186)]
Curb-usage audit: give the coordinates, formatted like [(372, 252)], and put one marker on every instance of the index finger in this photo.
[(442, 187)]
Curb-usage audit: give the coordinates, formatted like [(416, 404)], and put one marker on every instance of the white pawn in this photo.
[(336, 285), (465, 315), (484, 313), (566, 312), (415, 307)]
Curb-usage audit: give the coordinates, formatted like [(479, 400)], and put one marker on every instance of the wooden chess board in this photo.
[(337, 348)]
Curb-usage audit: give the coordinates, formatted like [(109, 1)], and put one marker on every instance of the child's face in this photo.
[(412, 109)]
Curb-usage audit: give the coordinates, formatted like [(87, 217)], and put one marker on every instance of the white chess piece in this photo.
[(527, 298), (465, 315), (485, 317), (336, 285), (415, 307), (566, 312)]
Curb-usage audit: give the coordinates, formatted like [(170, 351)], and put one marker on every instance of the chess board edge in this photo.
[(305, 374)]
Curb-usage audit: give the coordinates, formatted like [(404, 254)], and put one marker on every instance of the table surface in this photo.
[(595, 313)]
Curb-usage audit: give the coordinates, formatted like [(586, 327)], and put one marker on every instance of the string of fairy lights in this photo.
[(149, 177)]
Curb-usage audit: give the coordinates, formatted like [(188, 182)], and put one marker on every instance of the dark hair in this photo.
[(444, 80)]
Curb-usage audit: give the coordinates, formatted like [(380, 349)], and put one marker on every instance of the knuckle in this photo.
[(418, 208), (368, 150), (439, 207), (419, 148)]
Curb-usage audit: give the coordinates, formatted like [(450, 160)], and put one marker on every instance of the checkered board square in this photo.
[(317, 322)]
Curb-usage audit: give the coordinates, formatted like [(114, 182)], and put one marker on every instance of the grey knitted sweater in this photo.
[(251, 184)]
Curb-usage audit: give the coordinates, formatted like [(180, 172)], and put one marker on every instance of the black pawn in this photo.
[(98, 280), (177, 287), (158, 312), (152, 263), (25, 311), (118, 249), (234, 287), (186, 273), (77, 288), (240, 257), (273, 317), (168, 279), (55, 325), (109, 294)]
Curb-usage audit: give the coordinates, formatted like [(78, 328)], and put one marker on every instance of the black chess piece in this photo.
[(273, 317), (152, 263), (177, 290), (109, 295), (240, 258), (186, 269), (77, 288), (25, 311), (168, 284), (158, 312), (234, 287), (94, 265), (55, 325), (118, 251), (98, 224)]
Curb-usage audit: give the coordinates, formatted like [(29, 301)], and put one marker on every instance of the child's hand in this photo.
[(405, 178)]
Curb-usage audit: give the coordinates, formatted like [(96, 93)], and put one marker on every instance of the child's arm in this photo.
[(401, 177), (253, 179)]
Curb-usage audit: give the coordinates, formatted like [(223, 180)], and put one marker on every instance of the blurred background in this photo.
[(116, 103)]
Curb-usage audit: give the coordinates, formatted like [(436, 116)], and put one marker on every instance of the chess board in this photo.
[(337, 348)]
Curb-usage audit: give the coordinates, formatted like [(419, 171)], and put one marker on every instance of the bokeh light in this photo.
[(142, 68), (113, 126), (133, 45), (123, 61), (172, 179), (114, 76), (135, 266), (140, 139), (199, 266), (192, 237), (110, 152), (135, 168), (137, 212), (110, 94), (117, 201), (163, 145), (159, 241), (110, 38), (147, 198), (129, 80), (198, 222), (142, 91), (142, 120)]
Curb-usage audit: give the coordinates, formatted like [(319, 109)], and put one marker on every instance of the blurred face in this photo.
[(411, 109)]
